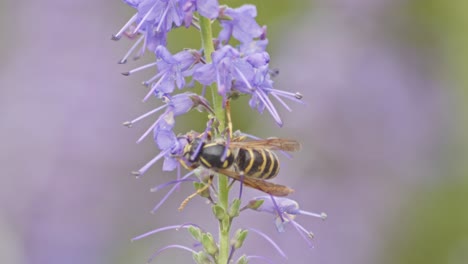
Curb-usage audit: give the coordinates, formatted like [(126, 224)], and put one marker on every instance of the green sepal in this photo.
[(254, 205), (219, 212), (195, 232), (235, 208), (209, 244), (242, 260), (239, 239), (202, 258)]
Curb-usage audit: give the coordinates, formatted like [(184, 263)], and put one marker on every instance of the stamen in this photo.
[(125, 27), (153, 88), (282, 102), (322, 216), (130, 123), (130, 51), (150, 163), (176, 227), (266, 101), (273, 72), (163, 17), (170, 192), (168, 247), (143, 20), (269, 240), (140, 53), (161, 186), (244, 79), (144, 67), (147, 83), (277, 208), (150, 128), (302, 231), (296, 97)]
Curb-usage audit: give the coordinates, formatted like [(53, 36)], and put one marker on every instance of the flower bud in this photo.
[(209, 244), (241, 234)]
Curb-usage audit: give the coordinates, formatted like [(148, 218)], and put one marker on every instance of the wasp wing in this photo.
[(270, 143), (259, 184)]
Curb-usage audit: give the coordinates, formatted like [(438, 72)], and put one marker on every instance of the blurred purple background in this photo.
[(383, 131)]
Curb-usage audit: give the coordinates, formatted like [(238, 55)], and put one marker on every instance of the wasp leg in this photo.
[(184, 163), (199, 191)]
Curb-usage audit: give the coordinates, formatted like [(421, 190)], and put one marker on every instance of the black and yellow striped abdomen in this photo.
[(261, 163), (257, 163)]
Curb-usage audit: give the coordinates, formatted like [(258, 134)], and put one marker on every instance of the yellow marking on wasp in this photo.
[(205, 162), (276, 167), (264, 158), (226, 162), (252, 159), (260, 169), (273, 159)]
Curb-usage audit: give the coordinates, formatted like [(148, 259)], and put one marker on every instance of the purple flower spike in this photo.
[(241, 24), (285, 211)]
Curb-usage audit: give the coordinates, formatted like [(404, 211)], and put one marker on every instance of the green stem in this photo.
[(223, 183)]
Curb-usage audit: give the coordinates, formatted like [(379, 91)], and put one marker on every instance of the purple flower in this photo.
[(172, 70), (285, 211), (175, 105), (170, 146), (163, 14), (255, 46), (240, 23), (259, 86), (227, 66), (206, 8)]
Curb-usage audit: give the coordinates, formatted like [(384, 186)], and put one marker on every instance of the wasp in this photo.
[(250, 162)]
